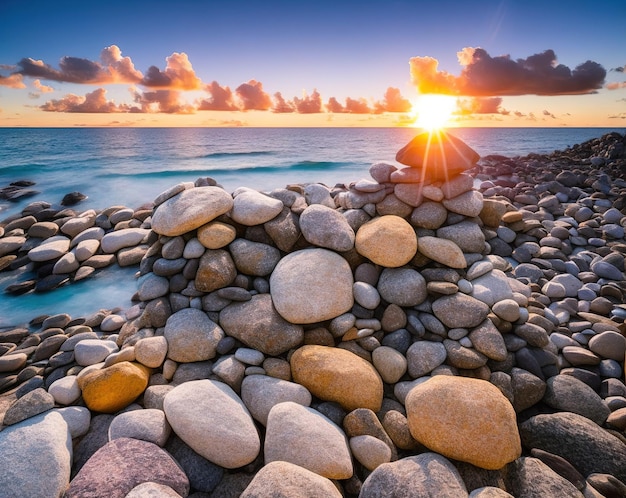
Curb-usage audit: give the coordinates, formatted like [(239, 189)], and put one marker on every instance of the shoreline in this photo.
[(517, 285)]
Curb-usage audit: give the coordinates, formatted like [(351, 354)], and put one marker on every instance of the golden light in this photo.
[(433, 111)]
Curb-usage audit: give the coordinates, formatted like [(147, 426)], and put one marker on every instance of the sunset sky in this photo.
[(318, 63)]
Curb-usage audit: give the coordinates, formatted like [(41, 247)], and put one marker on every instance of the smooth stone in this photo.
[(304, 437), (258, 325), (530, 477), (30, 404), (217, 269), (254, 258), (10, 244), (388, 241), (507, 309), (119, 239), (65, 390), (300, 290), (460, 311), (442, 250), (430, 215), (203, 475), (609, 344), (77, 418), (254, 208), (152, 490), (366, 295), (390, 364), (424, 356), (468, 204), (36, 457), (487, 339), (492, 287), (334, 374), (326, 227), (465, 234), (580, 441), (147, 425), (578, 355), (370, 451), (216, 234), (52, 248), (465, 419), (191, 336), (426, 474), (402, 286), (144, 462), (528, 389), (190, 209), (74, 226), (12, 362), (568, 394), (210, 417), (152, 287), (92, 351), (286, 480), (110, 389)]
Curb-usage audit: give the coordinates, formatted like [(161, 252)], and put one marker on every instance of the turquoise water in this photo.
[(131, 166)]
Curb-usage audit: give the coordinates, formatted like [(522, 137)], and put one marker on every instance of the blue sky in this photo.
[(355, 50)]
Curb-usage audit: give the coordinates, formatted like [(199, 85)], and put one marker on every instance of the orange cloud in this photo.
[(178, 74), (309, 104), (121, 69), (352, 106), (221, 99), (252, 96), (480, 105), (12, 81), (281, 106), (94, 102), (393, 101), (42, 88), (165, 101), (616, 85), (484, 76)]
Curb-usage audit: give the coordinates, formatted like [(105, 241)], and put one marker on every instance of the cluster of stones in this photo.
[(408, 332), (61, 246)]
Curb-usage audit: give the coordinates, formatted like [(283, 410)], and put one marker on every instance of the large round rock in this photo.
[(335, 374), (312, 285), (191, 336), (190, 209), (387, 241), (464, 419)]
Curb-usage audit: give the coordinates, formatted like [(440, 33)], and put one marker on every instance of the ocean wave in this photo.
[(24, 169), (224, 155), (299, 166)]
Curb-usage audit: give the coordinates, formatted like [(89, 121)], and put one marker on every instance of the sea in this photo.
[(131, 166)]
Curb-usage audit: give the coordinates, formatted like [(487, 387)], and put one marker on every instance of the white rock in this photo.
[(92, 351), (65, 390), (370, 451), (148, 425), (77, 419)]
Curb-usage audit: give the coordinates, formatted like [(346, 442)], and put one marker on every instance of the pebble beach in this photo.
[(451, 328)]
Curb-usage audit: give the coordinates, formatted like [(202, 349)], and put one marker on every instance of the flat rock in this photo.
[(334, 374), (52, 248), (210, 417), (465, 419), (442, 250), (312, 285), (426, 474), (304, 437), (287, 480), (30, 404), (387, 241), (102, 475), (190, 209), (119, 239), (254, 208)]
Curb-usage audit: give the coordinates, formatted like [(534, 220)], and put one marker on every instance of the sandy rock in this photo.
[(387, 241), (213, 421), (151, 351), (530, 477), (468, 204), (334, 374), (300, 286), (190, 209), (442, 250), (254, 208), (304, 437), (110, 389), (465, 419), (148, 425), (390, 363), (254, 258), (215, 234), (370, 451), (217, 269), (429, 215)]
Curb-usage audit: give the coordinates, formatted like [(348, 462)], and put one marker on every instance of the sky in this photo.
[(513, 63)]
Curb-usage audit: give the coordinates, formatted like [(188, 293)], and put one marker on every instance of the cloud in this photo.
[(178, 74), (352, 106), (480, 105), (548, 113), (221, 99), (393, 101), (94, 102), (12, 81), (619, 69), (621, 115), (616, 85), (252, 96), (486, 76), (165, 101), (281, 106), (333, 106), (121, 69), (41, 87), (309, 104)]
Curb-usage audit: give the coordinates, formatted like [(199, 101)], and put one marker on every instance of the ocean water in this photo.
[(131, 166)]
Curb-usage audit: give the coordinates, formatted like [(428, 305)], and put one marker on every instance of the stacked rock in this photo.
[(63, 246), (356, 339)]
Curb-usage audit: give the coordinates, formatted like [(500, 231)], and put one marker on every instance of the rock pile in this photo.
[(408, 332)]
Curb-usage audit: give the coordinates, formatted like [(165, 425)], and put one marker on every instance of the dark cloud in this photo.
[(221, 99), (481, 105), (94, 102), (548, 113), (619, 69), (178, 74), (486, 76), (252, 97), (165, 101)]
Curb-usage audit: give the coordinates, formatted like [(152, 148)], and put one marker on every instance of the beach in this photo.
[(449, 326)]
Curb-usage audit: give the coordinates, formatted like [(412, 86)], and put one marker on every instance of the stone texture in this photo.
[(191, 336), (254, 208), (568, 394), (402, 286), (190, 209), (210, 417), (334, 374), (465, 419), (30, 404), (387, 241), (426, 474), (304, 437), (300, 286), (254, 258), (148, 425), (217, 269), (326, 227), (286, 480), (460, 311), (103, 475), (530, 477), (443, 251), (113, 388)]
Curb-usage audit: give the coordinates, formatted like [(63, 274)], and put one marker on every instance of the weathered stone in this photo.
[(217, 269), (460, 311), (387, 241), (326, 227), (442, 250), (254, 208), (191, 336)]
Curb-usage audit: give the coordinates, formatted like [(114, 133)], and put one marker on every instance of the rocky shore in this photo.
[(451, 328)]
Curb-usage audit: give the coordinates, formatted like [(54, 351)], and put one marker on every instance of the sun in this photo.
[(433, 111)]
